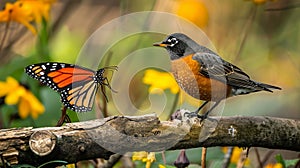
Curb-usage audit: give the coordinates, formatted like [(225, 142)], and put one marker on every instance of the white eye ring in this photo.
[(173, 41)]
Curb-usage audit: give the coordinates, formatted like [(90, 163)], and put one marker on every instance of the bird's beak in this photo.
[(160, 44)]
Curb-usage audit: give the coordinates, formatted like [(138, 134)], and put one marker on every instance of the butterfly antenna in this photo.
[(115, 68)]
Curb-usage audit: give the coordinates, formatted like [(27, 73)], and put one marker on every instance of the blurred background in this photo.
[(259, 36)]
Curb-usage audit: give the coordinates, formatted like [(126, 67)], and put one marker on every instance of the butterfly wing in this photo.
[(76, 85)]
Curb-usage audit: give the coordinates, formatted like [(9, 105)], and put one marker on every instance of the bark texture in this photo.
[(120, 134)]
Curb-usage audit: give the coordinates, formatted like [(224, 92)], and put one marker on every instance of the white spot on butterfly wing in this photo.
[(62, 65)]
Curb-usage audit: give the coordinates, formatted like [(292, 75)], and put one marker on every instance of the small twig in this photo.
[(64, 117), (283, 8), (267, 156), (227, 157), (242, 159), (104, 100), (246, 32), (126, 162), (203, 157), (12, 40), (112, 161), (298, 163), (67, 10), (163, 156), (5, 35), (99, 109), (247, 151), (260, 164)]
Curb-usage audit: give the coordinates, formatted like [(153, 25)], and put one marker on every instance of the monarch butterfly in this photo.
[(77, 85)]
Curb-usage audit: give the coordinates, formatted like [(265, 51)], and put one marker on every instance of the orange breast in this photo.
[(187, 74)]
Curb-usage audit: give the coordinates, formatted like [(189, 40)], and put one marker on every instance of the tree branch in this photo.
[(120, 134)]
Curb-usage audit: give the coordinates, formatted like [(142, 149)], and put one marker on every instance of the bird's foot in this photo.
[(202, 116), (190, 114), (196, 114)]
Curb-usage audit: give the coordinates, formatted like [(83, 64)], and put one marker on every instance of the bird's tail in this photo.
[(267, 87), (254, 87)]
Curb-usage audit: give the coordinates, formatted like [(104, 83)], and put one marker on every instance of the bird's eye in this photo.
[(172, 41)]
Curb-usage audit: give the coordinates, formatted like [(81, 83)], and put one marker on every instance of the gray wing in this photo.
[(213, 66)]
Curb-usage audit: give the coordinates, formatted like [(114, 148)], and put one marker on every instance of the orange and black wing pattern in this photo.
[(77, 85)]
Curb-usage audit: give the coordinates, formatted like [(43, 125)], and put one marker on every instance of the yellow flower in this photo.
[(161, 166), (276, 165), (26, 11), (15, 12), (194, 11), (71, 166), (29, 103), (11, 90), (236, 154), (38, 8), (261, 2), (143, 156), (160, 81), (15, 93), (188, 98), (139, 155)]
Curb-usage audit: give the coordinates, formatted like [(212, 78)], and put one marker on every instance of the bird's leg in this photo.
[(195, 113), (204, 116), (202, 105)]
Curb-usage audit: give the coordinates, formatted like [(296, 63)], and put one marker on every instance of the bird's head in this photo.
[(178, 45)]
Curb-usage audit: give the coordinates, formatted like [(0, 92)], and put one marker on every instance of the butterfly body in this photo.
[(77, 85)]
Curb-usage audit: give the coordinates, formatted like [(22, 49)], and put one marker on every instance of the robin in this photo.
[(204, 75)]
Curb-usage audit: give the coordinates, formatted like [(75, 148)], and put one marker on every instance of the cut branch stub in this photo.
[(42, 142)]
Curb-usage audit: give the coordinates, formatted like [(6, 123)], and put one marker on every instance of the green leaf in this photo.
[(286, 163), (42, 46), (292, 162), (280, 160), (14, 68), (51, 101), (156, 164)]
